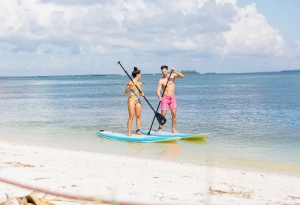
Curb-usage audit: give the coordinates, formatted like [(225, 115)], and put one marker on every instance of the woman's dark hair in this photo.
[(164, 66), (135, 71)]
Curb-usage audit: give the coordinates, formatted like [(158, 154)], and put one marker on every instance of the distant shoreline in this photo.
[(289, 71), (48, 76), (102, 75)]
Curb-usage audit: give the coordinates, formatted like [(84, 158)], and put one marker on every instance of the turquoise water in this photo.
[(253, 119)]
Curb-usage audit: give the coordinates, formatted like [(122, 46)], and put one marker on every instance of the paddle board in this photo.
[(183, 136), (135, 138)]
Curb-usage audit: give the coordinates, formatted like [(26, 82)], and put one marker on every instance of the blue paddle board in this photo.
[(136, 138), (183, 136)]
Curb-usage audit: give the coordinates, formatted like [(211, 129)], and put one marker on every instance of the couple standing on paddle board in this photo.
[(166, 82)]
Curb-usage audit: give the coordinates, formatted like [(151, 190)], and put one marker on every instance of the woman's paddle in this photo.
[(161, 119), (160, 102)]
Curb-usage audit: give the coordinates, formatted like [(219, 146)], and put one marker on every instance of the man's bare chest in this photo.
[(170, 83)]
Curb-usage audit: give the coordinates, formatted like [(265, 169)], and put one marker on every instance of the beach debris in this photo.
[(244, 194), (18, 164), (39, 198), (31, 199)]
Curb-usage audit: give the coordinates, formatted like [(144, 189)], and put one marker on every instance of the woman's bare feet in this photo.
[(138, 132), (129, 134), (174, 131)]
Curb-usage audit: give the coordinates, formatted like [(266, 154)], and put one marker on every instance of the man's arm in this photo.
[(177, 74), (158, 90)]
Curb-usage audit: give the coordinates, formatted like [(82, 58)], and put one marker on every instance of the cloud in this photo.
[(70, 2), (193, 29), (58, 63), (180, 26), (250, 34), (298, 45), (98, 49)]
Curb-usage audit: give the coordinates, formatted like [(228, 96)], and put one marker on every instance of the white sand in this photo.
[(128, 179)]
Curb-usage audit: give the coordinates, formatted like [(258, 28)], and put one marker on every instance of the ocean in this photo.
[(253, 119)]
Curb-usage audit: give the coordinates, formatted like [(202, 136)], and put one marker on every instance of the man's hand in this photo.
[(177, 74)]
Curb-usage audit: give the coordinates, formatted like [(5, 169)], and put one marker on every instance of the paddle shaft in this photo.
[(137, 87), (160, 102)]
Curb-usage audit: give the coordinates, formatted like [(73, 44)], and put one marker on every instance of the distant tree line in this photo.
[(189, 72), (291, 70)]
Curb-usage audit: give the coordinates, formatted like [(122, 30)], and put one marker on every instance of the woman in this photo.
[(134, 102)]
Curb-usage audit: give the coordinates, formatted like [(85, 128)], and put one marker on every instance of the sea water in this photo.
[(253, 119)]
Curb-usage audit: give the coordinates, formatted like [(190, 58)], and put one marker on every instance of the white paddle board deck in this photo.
[(183, 136), (135, 138)]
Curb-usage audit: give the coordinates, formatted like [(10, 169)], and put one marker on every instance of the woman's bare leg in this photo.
[(138, 110), (130, 115)]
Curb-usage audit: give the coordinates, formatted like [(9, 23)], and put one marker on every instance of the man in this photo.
[(168, 99)]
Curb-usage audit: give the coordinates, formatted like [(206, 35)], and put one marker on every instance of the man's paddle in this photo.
[(161, 119), (160, 102)]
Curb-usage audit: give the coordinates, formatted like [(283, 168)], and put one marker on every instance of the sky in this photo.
[(74, 37)]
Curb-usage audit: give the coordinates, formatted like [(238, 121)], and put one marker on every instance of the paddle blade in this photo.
[(161, 119)]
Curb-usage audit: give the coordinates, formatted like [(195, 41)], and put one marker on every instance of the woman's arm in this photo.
[(141, 86), (128, 87)]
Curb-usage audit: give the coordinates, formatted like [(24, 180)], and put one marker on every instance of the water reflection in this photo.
[(200, 141), (135, 149), (170, 151), (161, 150)]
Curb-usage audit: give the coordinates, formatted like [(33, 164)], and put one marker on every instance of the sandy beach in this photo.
[(129, 180)]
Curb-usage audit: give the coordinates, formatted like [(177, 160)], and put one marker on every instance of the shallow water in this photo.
[(253, 119)]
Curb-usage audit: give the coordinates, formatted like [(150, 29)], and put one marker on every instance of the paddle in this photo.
[(161, 119), (160, 102)]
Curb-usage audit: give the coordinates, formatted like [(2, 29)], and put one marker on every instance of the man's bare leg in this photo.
[(173, 112), (163, 113)]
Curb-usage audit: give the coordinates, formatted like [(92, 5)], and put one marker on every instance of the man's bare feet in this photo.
[(129, 134), (159, 130), (174, 131), (138, 132)]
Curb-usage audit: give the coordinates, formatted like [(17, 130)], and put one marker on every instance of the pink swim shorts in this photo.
[(168, 101)]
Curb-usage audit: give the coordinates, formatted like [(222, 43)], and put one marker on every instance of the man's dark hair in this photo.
[(164, 66), (135, 71)]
